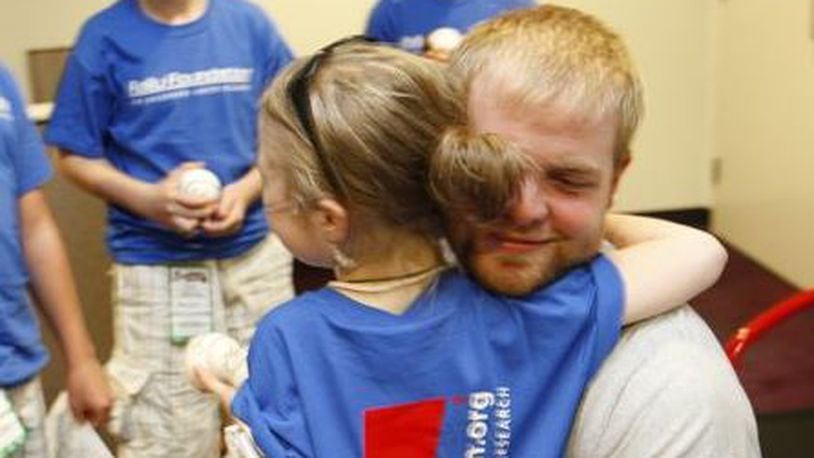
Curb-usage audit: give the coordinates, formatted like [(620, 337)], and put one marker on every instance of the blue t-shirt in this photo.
[(148, 96), (463, 372), (23, 168), (407, 23)]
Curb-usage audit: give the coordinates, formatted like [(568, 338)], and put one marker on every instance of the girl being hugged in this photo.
[(404, 355)]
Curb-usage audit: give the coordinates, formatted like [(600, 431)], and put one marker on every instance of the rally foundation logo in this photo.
[(416, 429), (176, 85)]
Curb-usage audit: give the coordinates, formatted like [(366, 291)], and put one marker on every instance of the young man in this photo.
[(408, 23), (154, 88), (33, 259), (562, 86)]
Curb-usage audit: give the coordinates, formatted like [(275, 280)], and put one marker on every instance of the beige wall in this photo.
[(309, 24), (39, 24), (765, 201)]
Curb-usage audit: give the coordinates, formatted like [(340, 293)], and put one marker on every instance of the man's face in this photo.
[(556, 220)]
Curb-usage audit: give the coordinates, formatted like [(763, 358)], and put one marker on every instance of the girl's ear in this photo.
[(331, 219)]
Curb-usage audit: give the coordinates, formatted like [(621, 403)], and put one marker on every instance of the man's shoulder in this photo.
[(668, 381), (681, 325), (676, 345)]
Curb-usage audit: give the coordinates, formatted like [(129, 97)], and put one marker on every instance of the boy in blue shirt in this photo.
[(154, 88), (408, 23), (33, 260)]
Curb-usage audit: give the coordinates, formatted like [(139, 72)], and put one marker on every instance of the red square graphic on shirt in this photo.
[(404, 431)]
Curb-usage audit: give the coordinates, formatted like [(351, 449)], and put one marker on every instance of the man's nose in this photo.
[(529, 208)]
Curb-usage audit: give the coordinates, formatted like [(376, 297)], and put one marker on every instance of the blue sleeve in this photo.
[(268, 402), (609, 304), (279, 54), (32, 166), (83, 108), (380, 23)]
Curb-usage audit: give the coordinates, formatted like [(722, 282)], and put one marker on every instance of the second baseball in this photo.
[(199, 183)]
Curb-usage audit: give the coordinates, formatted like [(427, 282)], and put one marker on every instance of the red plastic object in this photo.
[(765, 321)]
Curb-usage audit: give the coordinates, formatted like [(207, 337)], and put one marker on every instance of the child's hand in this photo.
[(230, 213), (176, 211), (89, 393), (206, 381)]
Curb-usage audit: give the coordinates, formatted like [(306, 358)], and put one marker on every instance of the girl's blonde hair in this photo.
[(379, 115)]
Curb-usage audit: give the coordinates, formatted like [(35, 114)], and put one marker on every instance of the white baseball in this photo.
[(444, 39), (199, 183), (219, 354)]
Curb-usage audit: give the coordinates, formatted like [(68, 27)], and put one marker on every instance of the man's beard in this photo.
[(520, 275)]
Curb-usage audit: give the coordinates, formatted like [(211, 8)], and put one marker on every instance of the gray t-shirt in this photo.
[(667, 390)]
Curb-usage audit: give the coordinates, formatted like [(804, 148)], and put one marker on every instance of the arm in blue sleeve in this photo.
[(83, 110), (268, 402), (32, 166), (279, 54)]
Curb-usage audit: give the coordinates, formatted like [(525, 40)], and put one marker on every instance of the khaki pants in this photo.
[(157, 412)]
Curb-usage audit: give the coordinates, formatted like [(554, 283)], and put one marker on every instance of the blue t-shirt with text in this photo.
[(462, 372)]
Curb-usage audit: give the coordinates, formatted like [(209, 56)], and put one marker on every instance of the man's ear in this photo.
[(331, 219), (618, 171)]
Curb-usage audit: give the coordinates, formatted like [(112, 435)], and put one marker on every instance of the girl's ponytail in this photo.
[(477, 174)]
